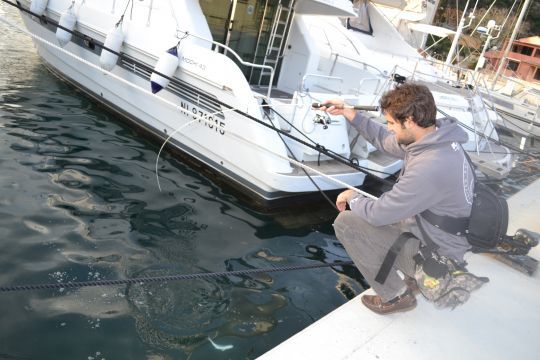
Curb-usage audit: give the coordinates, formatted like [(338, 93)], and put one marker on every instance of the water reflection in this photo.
[(79, 201)]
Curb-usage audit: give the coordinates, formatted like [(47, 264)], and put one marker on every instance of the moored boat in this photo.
[(219, 106)]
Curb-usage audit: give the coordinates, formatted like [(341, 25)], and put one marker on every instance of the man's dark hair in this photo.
[(412, 100)]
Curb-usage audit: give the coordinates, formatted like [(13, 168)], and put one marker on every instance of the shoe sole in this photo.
[(412, 307)]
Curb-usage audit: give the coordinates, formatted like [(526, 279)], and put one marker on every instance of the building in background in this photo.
[(523, 60)]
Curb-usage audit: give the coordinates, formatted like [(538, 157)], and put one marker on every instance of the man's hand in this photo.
[(341, 202), (336, 107)]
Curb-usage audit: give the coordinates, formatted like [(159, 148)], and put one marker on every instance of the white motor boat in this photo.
[(364, 62), (378, 33), (155, 62)]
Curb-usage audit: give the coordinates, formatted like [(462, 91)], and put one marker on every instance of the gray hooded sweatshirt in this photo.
[(435, 176)]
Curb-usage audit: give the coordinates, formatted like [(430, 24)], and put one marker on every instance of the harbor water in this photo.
[(79, 201)]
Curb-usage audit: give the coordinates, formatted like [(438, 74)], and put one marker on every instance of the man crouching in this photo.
[(435, 176)]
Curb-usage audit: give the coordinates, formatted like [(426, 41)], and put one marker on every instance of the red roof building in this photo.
[(523, 59)]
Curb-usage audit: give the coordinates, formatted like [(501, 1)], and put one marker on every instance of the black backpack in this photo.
[(488, 222), (485, 228)]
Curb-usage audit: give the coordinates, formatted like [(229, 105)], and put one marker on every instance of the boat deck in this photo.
[(500, 321), (379, 159), (274, 93), (492, 161)]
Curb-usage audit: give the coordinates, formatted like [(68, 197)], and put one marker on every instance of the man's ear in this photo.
[(409, 122)]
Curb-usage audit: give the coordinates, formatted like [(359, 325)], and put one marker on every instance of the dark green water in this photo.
[(79, 201)]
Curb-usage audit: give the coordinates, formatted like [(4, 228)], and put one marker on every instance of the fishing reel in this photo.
[(324, 120)]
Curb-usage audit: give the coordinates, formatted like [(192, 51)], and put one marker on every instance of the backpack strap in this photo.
[(452, 225), (429, 243), (449, 224), (391, 256)]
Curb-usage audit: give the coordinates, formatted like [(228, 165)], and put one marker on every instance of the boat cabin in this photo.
[(257, 30)]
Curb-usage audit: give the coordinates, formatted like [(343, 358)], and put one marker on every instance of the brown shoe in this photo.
[(412, 285), (375, 303)]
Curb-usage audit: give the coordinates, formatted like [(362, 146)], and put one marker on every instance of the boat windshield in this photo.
[(361, 23)]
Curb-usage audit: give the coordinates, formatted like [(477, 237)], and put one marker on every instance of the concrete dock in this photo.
[(501, 320)]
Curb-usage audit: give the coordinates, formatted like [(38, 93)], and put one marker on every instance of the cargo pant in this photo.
[(367, 246)]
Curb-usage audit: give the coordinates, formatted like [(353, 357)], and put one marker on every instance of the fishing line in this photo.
[(305, 172)]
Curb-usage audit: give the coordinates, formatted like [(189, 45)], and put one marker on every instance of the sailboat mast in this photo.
[(502, 62), (459, 30)]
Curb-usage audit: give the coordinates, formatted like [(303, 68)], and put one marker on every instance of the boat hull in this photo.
[(253, 168)]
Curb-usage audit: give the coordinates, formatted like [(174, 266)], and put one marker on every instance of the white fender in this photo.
[(166, 65), (38, 6), (113, 41), (67, 20)]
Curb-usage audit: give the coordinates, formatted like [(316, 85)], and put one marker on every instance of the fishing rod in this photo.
[(318, 105)]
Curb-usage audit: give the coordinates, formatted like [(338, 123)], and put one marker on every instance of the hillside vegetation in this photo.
[(447, 16)]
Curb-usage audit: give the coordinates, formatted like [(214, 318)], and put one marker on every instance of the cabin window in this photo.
[(537, 74), (520, 49), (526, 50), (512, 65), (217, 13), (537, 53), (362, 22), (246, 25)]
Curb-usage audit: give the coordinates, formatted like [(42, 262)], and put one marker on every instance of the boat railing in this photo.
[(305, 89), (455, 75), (366, 66), (435, 79), (378, 77), (237, 57), (150, 8), (377, 88)]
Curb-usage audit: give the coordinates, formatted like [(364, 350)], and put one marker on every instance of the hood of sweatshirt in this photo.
[(448, 131)]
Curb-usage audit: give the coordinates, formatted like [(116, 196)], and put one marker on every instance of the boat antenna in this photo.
[(485, 14), (459, 31)]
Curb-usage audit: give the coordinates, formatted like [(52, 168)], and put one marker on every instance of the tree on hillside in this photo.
[(448, 16)]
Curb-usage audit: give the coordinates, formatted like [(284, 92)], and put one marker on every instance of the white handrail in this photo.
[(304, 78), (246, 63)]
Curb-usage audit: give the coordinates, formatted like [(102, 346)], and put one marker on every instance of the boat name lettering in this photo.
[(193, 62), (209, 119)]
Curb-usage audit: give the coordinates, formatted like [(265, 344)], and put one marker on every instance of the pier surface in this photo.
[(501, 320)]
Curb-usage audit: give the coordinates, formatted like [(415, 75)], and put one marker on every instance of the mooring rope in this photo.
[(156, 279)]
